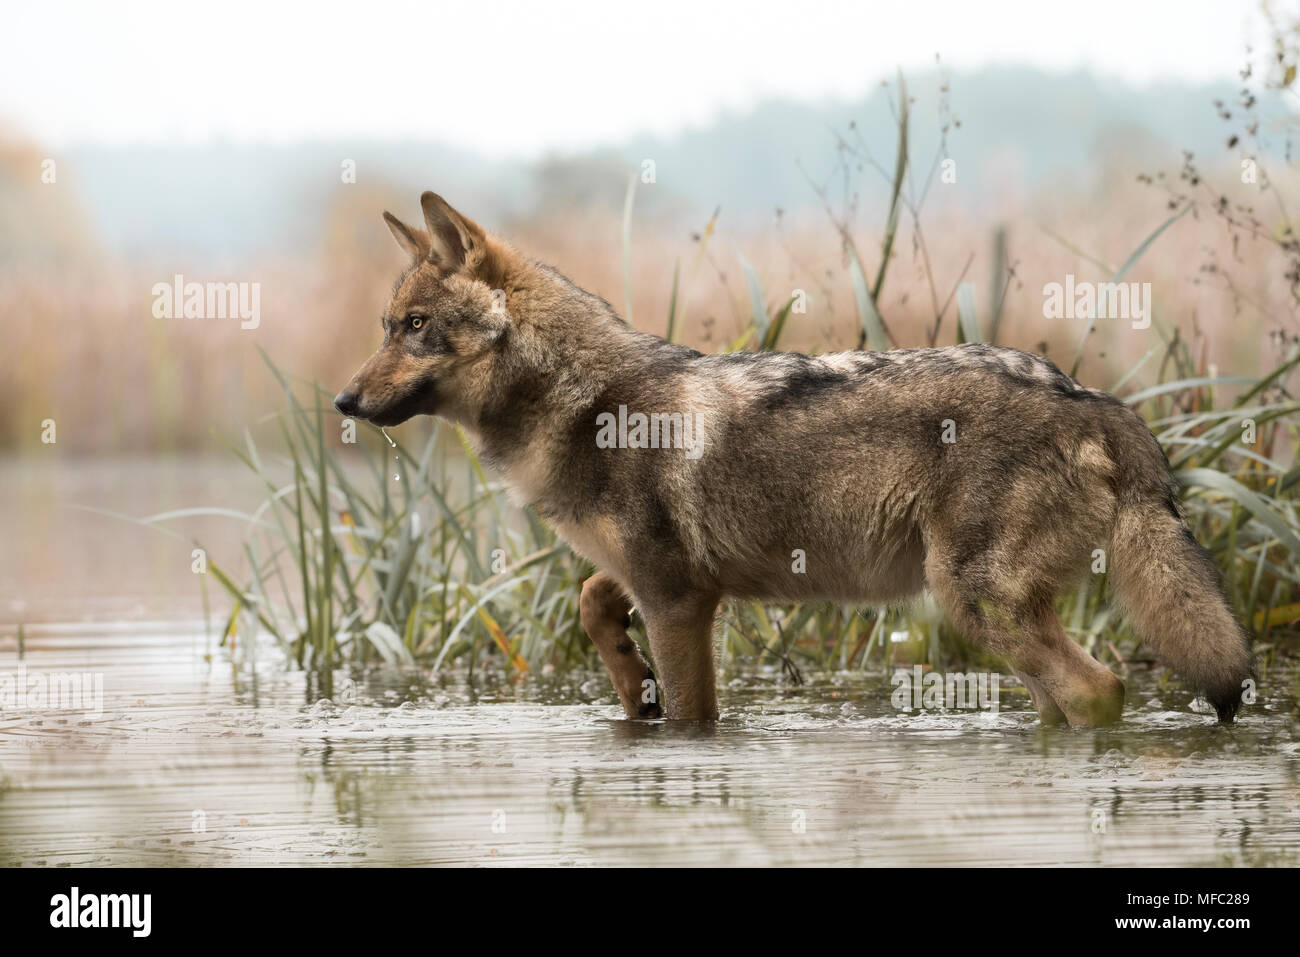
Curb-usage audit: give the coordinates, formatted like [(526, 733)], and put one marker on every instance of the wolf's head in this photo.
[(442, 327)]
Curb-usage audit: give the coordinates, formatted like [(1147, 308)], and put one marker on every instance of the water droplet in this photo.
[(396, 477)]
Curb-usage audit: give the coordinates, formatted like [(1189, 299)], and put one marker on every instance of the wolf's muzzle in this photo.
[(347, 402)]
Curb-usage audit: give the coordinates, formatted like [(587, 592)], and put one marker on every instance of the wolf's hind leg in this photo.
[(1049, 712), (604, 609), (1063, 679), (1082, 688), (1003, 600)]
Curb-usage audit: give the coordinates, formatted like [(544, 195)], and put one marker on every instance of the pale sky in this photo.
[(518, 79)]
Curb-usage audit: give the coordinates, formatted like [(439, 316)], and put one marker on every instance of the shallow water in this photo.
[(190, 763)]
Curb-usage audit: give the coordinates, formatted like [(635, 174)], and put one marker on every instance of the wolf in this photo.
[(983, 474)]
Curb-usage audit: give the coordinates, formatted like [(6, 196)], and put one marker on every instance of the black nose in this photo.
[(346, 402)]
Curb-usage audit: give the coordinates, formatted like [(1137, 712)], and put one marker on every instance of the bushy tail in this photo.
[(1173, 592)]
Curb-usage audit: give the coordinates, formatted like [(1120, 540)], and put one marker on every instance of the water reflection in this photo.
[(192, 764)]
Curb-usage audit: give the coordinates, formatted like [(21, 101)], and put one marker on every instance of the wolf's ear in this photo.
[(414, 241), (455, 242)]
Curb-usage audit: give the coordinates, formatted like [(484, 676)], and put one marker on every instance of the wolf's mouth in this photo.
[(387, 418), (420, 400)]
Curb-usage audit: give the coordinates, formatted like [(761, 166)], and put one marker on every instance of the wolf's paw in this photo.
[(1105, 705), (651, 708)]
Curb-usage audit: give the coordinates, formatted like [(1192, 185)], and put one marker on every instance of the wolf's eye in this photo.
[(417, 322)]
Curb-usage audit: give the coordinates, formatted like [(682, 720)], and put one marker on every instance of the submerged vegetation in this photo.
[(372, 550)]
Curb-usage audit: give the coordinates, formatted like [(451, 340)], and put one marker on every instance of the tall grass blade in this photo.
[(627, 247), (968, 323), (873, 331)]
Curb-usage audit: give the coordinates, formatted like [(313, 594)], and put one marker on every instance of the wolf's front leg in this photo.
[(681, 641), (604, 609)]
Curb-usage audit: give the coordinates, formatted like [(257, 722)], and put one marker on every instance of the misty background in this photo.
[(1023, 132)]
